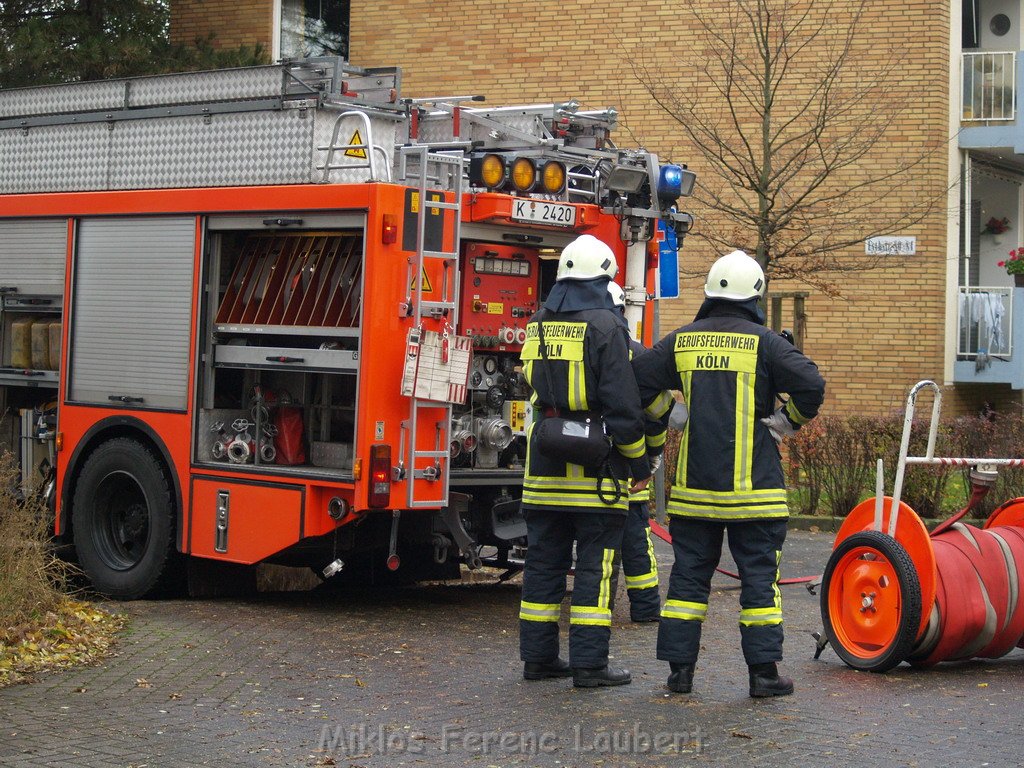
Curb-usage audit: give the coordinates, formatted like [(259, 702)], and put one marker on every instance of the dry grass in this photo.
[(32, 579), (41, 627)]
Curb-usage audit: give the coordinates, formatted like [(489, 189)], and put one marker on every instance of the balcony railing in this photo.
[(989, 86), (986, 322)]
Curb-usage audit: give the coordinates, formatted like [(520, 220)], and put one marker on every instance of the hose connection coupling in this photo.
[(984, 475)]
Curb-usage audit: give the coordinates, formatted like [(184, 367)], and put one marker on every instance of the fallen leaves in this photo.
[(73, 633)]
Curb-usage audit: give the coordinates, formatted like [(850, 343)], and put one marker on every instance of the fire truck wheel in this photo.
[(123, 520)]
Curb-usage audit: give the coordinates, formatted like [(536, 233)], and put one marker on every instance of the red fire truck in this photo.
[(273, 314)]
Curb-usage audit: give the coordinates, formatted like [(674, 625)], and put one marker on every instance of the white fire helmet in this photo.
[(618, 295), (736, 277), (586, 258)]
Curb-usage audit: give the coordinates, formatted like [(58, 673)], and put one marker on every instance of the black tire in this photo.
[(885, 657), (123, 517)]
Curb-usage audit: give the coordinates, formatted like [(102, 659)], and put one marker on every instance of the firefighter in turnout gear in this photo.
[(731, 369), (576, 359), (639, 564)]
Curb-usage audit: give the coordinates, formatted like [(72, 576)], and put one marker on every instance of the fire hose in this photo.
[(659, 530), (892, 591)]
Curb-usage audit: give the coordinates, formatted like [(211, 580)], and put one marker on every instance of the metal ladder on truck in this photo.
[(427, 171)]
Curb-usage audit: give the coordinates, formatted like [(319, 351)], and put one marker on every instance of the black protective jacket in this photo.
[(730, 368), (586, 374)]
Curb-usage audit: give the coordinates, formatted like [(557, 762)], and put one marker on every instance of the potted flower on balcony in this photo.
[(1014, 265), (996, 227)]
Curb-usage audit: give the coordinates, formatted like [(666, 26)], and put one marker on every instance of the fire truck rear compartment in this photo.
[(279, 382)]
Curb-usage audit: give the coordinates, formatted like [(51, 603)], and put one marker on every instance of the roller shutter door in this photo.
[(132, 315), (32, 255)]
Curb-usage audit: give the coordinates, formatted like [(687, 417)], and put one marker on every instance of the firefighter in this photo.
[(638, 561), (731, 369), (576, 359)]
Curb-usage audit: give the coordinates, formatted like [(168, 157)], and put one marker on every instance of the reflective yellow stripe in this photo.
[(759, 617), (686, 381), (728, 505), (574, 500), (727, 498), (577, 388), (764, 617), (584, 484), (660, 405), (594, 616), (650, 554), (684, 611), (604, 589), (657, 440), (642, 582), (749, 512), (795, 416), (539, 611), (633, 450), (643, 495), (743, 459)]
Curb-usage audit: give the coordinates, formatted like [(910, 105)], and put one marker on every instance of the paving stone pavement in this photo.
[(430, 676)]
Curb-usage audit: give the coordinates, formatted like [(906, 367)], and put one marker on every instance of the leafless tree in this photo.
[(791, 101)]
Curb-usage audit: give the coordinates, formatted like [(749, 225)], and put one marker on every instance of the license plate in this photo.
[(541, 212)]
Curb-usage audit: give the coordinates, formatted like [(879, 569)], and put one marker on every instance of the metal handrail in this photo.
[(367, 146)]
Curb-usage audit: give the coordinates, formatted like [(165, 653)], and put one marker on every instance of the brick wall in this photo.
[(235, 23), (886, 331)]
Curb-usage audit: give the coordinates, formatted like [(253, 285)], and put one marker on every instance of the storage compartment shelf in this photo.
[(289, 330), (290, 358), (28, 378)]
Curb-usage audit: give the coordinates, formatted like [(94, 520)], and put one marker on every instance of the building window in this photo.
[(314, 28)]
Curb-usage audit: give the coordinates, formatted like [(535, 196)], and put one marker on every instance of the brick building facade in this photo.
[(905, 321)]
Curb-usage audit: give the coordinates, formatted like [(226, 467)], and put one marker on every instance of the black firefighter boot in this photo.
[(681, 679), (765, 681), (595, 678), (542, 670)]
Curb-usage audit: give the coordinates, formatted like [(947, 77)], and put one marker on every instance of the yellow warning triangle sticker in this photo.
[(356, 140), (424, 282)]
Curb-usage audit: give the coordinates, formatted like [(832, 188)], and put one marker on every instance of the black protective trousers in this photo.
[(550, 536), (756, 546), (639, 564)]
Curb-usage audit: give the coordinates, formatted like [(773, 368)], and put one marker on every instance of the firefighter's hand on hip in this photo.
[(779, 424)]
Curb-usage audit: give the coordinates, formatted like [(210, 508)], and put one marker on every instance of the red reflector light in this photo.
[(389, 229), (379, 495)]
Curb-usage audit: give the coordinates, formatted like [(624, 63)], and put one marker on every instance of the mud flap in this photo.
[(507, 520)]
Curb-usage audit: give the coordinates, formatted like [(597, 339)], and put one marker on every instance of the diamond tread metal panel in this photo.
[(53, 99), (192, 88), (54, 158), (241, 148), (230, 149), (157, 90)]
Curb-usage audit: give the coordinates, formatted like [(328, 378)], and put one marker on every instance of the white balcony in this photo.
[(989, 91)]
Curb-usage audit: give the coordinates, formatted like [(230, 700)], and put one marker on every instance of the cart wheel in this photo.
[(871, 601)]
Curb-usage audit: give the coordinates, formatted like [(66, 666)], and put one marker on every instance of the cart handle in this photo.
[(901, 465)]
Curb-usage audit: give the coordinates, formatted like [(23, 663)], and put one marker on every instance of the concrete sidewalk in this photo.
[(431, 676)]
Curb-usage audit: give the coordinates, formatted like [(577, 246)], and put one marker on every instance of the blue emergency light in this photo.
[(675, 181)]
